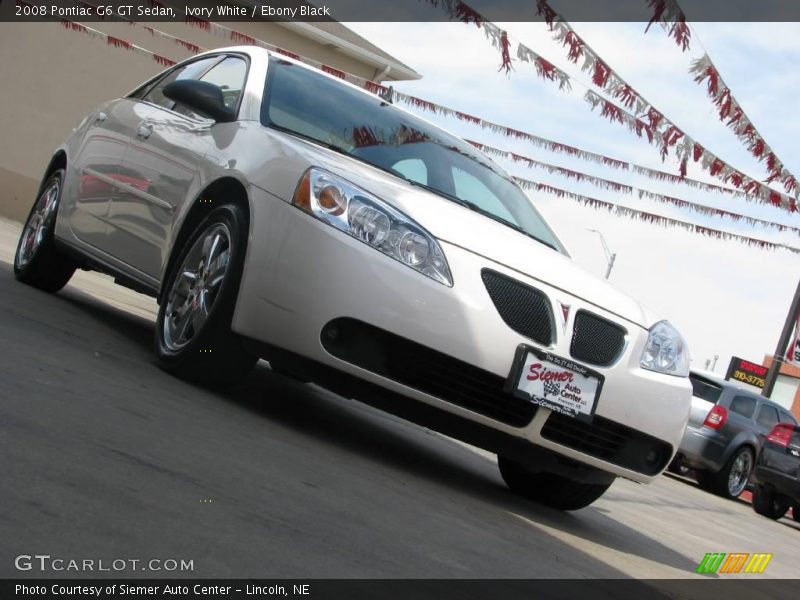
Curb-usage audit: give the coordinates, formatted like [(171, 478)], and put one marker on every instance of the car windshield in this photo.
[(316, 107)]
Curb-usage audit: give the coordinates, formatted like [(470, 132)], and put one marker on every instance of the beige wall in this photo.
[(50, 77)]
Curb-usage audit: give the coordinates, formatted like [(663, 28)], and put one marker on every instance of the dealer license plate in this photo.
[(556, 383)]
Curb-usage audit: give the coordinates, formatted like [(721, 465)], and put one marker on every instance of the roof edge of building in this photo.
[(387, 68)]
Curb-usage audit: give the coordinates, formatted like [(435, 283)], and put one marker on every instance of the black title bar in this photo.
[(387, 10)]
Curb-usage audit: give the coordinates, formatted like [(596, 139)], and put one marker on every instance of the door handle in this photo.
[(100, 117), (143, 132)]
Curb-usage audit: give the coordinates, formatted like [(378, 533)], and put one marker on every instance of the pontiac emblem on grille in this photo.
[(565, 308)]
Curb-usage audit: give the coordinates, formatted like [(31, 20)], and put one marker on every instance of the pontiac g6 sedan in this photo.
[(278, 212)]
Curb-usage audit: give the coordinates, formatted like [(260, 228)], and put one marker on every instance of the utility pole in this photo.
[(611, 257), (783, 343)]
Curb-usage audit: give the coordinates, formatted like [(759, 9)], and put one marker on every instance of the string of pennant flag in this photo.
[(749, 192), (670, 16), (616, 186), (526, 184), (729, 109), (655, 219), (646, 120)]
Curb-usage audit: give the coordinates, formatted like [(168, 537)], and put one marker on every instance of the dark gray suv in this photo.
[(725, 430)]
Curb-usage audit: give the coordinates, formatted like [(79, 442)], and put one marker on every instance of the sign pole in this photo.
[(783, 343)]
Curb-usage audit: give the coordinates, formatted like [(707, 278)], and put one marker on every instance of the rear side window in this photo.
[(744, 405), (767, 416), (705, 388)]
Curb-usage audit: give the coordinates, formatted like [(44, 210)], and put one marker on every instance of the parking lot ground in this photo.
[(104, 455)]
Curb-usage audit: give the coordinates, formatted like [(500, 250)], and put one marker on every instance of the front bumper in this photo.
[(301, 274)]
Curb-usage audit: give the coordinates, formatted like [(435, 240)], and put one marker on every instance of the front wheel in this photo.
[(550, 489), (193, 331), (37, 262), (769, 504)]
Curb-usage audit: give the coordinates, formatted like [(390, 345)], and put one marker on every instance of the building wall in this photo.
[(50, 77), (790, 379)]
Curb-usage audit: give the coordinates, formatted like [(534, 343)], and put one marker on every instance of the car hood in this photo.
[(455, 224)]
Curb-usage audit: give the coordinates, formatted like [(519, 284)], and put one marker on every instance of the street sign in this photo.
[(747, 372)]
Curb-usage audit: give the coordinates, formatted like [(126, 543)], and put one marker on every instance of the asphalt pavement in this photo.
[(104, 456)]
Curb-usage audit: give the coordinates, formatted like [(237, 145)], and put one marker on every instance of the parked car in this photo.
[(725, 430), (278, 212), (777, 473)]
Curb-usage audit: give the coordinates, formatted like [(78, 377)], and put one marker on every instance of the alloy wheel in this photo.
[(40, 219), (196, 287), (739, 473)]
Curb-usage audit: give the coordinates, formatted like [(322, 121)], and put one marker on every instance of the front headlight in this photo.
[(666, 351), (354, 211)]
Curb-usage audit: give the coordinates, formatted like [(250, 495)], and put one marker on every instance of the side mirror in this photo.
[(201, 96)]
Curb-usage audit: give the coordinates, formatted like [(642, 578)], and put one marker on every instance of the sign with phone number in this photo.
[(747, 372)]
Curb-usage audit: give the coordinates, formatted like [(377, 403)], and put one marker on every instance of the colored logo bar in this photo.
[(734, 562)]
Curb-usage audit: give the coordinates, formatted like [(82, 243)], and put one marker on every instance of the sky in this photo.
[(728, 299)]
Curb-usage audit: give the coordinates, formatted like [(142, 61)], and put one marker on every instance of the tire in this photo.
[(769, 504), (194, 340), (37, 262), (731, 480), (796, 511), (549, 489)]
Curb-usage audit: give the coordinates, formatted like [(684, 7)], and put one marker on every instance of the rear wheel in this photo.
[(37, 262), (550, 489), (796, 511), (193, 331), (731, 480), (769, 504)]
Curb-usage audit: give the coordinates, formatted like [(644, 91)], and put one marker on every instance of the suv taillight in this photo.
[(781, 434), (716, 417)]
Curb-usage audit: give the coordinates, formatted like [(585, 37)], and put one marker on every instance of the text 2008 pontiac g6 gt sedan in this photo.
[(276, 211)]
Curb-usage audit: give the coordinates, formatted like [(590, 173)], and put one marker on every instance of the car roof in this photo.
[(265, 54), (740, 389)]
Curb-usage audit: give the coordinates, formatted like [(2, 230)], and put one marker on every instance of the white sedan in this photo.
[(278, 212)]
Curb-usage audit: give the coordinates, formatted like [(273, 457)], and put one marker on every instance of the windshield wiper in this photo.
[(475, 208)]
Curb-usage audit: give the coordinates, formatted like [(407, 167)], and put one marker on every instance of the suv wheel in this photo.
[(553, 490), (731, 480), (769, 504), (193, 331), (37, 262)]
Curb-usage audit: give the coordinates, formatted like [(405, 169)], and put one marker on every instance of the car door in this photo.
[(766, 419), (167, 145), (739, 425), (94, 172)]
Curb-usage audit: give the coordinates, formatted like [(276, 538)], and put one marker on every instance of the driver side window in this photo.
[(229, 76), (191, 71)]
